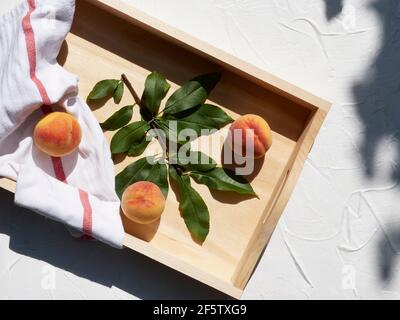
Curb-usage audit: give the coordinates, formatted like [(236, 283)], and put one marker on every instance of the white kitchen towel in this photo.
[(78, 189)]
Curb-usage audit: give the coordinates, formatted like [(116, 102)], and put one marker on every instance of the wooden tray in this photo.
[(109, 38)]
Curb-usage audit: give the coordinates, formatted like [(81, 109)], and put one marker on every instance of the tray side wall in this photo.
[(265, 229), (246, 70)]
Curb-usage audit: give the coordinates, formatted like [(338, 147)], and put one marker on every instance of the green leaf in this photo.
[(118, 119), (191, 94), (128, 135), (205, 116), (137, 148), (144, 169), (192, 207), (119, 92), (146, 115), (194, 161), (103, 89), (155, 89), (171, 132), (209, 80), (224, 180)]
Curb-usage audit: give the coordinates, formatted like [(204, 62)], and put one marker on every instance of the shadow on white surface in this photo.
[(333, 8), (377, 96), (42, 239), (377, 102), (378, 106)]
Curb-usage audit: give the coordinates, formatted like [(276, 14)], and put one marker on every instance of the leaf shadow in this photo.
[(118, 157), (63, 54), (229, 197), (388, 255), (333, 8), (376, 97)]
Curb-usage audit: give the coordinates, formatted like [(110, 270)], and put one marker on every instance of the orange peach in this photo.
[(143, 202), (250, 129), (57, 134)]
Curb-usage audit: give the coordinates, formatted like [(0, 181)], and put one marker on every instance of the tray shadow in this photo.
[(49, 241)]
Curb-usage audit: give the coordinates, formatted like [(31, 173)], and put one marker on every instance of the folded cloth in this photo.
[(78, 189)]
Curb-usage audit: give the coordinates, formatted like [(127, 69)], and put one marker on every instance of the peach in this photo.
[(57, 134), (143, 202), (252, 129)]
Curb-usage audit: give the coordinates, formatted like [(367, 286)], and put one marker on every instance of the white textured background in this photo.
[(339, 237)]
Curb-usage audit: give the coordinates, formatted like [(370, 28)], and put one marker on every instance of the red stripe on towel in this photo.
[(57, 162), (46, 108), (59, 169), (31, 47), (87, 209)]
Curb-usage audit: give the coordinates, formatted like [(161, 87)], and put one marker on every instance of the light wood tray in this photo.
[(109, 38)]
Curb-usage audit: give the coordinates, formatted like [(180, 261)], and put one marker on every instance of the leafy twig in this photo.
[(131, 90), (186, 107)]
